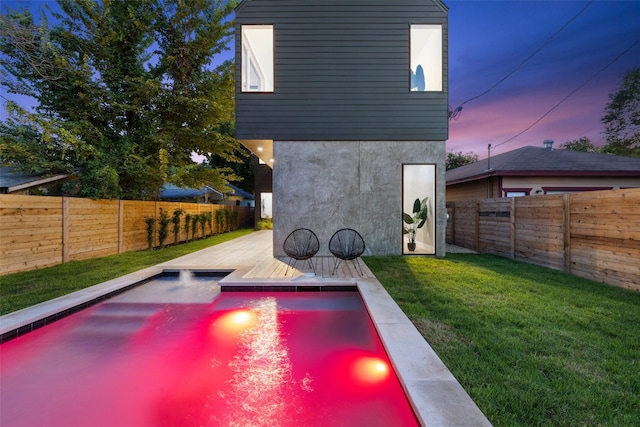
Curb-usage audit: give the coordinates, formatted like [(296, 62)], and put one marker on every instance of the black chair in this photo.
[(299, 245), (347, 245)]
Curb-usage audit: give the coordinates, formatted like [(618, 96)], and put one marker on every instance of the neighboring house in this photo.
[(236, 196), (13, 181), (347, 102), (205, 194), (541, 170)]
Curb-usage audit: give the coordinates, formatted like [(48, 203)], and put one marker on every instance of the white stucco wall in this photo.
[(328, 185)]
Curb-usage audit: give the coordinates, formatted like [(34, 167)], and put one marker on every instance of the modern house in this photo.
[(347, 102), (541, 170)]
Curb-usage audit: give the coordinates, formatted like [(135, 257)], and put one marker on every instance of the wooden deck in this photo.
[(251, 257), (322, 267)]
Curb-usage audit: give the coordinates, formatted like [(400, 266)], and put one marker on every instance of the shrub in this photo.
[(151, 226), (163, 230), (265, 224), (194, 226), (233, 220), (209, 218), (202, 219), (187, 224), (220, 220), (176, 224)]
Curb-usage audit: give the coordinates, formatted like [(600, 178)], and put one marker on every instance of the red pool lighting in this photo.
[(285, 359), (370, 369), (235, 322)]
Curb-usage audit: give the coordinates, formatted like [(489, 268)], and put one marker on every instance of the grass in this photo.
[(22, 290), (531, 346)]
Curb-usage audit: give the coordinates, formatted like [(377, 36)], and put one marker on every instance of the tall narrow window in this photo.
[(266, 205), (257, 58), (426, 58), (418, 208)]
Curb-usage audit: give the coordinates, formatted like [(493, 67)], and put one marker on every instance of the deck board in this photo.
[(252, 256)]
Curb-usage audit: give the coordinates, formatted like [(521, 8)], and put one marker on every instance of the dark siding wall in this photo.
[(342, 72)]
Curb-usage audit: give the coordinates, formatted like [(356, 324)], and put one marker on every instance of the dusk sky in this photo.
[(490, 40)]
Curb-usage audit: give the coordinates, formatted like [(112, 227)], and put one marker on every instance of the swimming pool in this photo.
[(178, 352)]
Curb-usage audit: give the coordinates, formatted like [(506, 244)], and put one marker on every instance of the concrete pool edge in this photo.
[(435, 395), (23, 321)]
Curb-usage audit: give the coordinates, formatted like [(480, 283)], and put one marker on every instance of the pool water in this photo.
[(178, 353)]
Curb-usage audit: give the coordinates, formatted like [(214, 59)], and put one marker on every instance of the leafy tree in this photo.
[(242, 168), (455, 160), (622, 117), (127, 90), (44, 145), (196, 101), (583, 144)]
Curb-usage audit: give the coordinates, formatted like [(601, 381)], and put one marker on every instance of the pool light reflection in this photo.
[(236, 321), (370, 369)]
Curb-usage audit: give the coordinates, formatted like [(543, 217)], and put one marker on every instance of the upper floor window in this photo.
[(426, 57), (257, 58)]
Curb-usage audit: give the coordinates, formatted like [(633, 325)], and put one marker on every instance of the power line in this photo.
[(455, 113), (570, 94)]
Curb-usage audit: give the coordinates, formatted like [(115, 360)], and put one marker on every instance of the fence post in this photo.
[(566, 203), (512, 224), (477, 233), (120, 226), (65, 230)]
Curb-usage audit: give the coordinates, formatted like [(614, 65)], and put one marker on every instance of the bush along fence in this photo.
[(37, 231), (594, 234), (195, 225)]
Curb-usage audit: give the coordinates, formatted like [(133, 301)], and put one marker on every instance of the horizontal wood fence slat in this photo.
[(593, 234), (38, 232)]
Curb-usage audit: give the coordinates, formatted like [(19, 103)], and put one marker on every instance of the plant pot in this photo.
[(411, 246)]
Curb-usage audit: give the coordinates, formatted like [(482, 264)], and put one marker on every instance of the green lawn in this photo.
[(22, 290), (532, 346)]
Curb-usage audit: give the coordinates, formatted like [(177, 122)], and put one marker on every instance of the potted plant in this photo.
[(416, 220)]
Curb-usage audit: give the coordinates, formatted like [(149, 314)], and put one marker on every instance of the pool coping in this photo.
[(434, 393)]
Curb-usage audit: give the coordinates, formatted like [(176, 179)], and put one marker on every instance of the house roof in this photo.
[(439, 3), (170, 191), (237, 191), (538, 161), (12, 179)]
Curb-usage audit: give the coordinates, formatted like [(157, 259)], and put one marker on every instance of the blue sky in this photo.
[(488, 40)]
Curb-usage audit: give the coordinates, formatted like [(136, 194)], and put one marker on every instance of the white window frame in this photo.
[(426, 58), (257, 71)]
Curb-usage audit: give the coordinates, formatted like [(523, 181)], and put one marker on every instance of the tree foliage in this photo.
[(583, 144), (126, 91), (455, 160), (622, 117)]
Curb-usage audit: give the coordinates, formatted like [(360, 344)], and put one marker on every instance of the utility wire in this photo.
[(455, 113), (570, 94)]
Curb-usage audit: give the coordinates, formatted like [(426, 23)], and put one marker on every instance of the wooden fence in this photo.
[(594, 234), (37, 232)]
